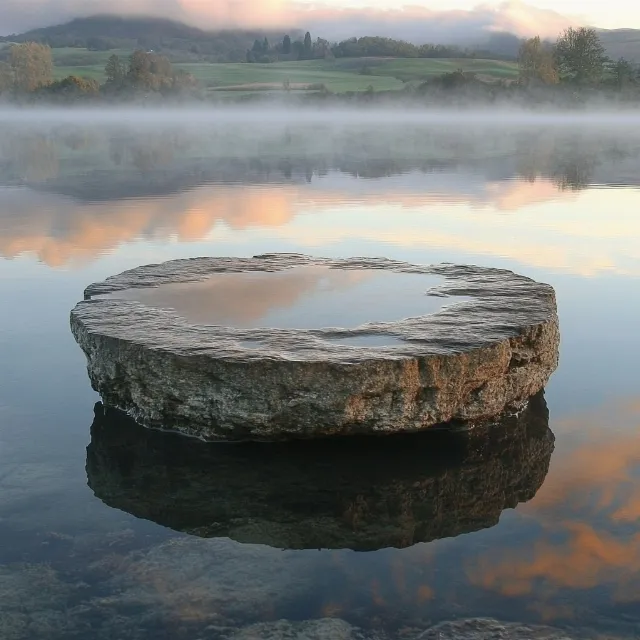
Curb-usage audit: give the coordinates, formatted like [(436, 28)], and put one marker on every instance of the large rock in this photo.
[(472, 360), (357, 493)]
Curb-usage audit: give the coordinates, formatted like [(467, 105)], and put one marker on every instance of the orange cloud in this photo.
[(30, 220), (248, 298), (545, 233), (586, 560), (588, 500), (410, 22)]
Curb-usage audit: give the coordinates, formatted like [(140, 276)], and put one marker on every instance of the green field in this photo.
[(304, 72), (418, 69), (74, 57), (338, 76)]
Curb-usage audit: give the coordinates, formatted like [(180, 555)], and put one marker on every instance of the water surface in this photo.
[(99, 537), (309, 297)]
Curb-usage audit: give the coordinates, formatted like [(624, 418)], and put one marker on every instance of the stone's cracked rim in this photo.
[(500, 304), (470, 361)]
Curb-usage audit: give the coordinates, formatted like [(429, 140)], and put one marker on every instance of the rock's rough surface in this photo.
[(489, 629), (470, 361), (472, 629), (360, 493), (322, 629)]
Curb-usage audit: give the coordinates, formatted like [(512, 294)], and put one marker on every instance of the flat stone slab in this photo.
[(357, 493), (277, 346)]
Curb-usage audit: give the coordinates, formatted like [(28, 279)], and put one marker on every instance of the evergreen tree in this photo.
[(308, 47)]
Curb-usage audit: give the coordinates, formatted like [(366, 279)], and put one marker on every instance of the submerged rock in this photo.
[(489, 629), (472, 629), (357, 493), (471, 360), (321, 629)]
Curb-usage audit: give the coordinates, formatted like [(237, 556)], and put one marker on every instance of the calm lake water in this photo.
[(297, 298), (111, 531)]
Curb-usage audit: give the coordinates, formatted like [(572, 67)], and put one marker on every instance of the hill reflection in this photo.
[(94, 163), (361, 494), (70, 194)]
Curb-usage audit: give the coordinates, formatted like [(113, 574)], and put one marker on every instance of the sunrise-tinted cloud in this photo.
[(415, 23)]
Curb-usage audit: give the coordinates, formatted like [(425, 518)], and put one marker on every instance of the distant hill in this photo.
[(621, 43), (102, 33), (182, 42), (618, 43)]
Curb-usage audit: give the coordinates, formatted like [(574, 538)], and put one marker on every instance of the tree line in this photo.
[(145, 71), (577, 58), (30, 70), (368, 46)]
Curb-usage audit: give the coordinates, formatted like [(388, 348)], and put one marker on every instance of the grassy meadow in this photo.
[(338, 76)]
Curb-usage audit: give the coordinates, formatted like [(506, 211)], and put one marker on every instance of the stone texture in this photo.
[(489, 629), (360, 493), (321, 629), (470, 361), (470, 629)]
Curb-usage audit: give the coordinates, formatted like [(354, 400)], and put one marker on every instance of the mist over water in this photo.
[(87, 193), (270, 113)]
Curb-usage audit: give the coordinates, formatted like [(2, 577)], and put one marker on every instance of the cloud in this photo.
[(61, 231), (588, 509), (565, 229), (420, 24), (414, 23), (21, 15), (249, 299)]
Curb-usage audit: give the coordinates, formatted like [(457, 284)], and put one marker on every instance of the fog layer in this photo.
[(269, 115)]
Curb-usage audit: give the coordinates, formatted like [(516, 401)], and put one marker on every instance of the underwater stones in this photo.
[(491, 346), (489, 629), (321, 629), (356, 493), (466, 629)]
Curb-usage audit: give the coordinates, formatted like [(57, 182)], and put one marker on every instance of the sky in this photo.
[(610, 15), (420, 21)]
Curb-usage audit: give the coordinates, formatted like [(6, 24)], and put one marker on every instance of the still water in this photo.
[(297, 298), (111, 531)]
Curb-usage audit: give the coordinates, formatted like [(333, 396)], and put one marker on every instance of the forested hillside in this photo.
[(104, 33)]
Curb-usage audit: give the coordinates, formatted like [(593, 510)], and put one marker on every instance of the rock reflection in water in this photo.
[(362, 494)]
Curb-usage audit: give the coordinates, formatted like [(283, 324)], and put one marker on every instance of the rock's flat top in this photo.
[(496, 305)]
